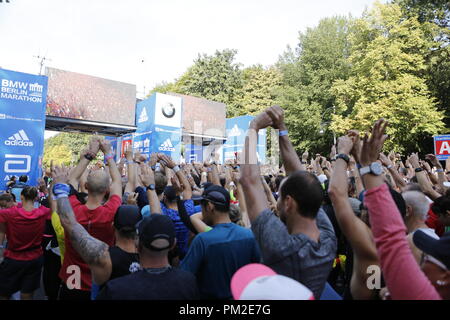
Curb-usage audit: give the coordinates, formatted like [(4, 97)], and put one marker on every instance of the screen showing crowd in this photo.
[(79, 96)]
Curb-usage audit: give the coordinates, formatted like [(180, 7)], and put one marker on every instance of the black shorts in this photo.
[(23, 276)]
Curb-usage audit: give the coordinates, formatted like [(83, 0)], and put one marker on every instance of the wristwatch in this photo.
[(151, 187), (374, 168), (418, 169), (343, 157), (89, 157)]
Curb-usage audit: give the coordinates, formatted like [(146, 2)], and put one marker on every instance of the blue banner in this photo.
[(236, 132), (22, 121), (167, 140), (113, 142), (141, 143), (193, 153)]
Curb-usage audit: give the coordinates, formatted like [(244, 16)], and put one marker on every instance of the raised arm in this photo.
[(86, 157), (386, 161), (131, 170), (400, 270), (250, 171), (422, 178), (116, 185), (354, 229), (290, 159), (148, 179), (93, 251), (187, 191)]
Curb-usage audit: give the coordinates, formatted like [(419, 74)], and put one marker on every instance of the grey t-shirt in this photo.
[(296, 255)]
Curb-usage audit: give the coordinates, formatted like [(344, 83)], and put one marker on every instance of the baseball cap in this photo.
[(155, 227), (437, 248), (258, 282), (127, 216), (216, 195)]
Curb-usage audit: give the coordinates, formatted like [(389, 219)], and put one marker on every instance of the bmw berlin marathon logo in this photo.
[(168, 110)]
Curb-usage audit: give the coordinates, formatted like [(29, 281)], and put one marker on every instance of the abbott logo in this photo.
[(167, 146), (19, 139), (17, 159), (143, 116)]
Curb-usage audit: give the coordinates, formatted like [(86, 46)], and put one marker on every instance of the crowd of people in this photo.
[(355, 224), (99, 98)]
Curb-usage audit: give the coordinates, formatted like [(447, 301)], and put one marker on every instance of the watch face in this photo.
[(376, 168), (168, 110)]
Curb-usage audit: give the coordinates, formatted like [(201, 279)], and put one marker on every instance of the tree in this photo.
[(309, 72), (386, 80), (259, 90), (60, 154), (434, 17)]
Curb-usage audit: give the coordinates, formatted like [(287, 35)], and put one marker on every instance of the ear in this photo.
[(408, 211), (86, 186)]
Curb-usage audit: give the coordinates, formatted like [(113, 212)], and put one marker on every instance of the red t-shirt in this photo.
[(99, 224), (24, 231), (434, 223)]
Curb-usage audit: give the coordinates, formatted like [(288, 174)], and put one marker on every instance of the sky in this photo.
[(146, 42)]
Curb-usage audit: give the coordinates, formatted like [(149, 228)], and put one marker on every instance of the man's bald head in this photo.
[(418, 202), (97, 182)]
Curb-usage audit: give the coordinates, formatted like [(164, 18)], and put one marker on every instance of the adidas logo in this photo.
[(143, 116), (19, 139), (234, 132), (167, 146)]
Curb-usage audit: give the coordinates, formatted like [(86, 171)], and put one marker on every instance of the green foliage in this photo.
[(387, 64), (65, 148), (259, 89), (309, 72)]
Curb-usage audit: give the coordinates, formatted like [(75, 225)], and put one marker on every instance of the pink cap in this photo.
[(247, 274), (259, 282)]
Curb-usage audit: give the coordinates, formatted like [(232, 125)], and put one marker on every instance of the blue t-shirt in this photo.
[(182, 232), (216, 255)]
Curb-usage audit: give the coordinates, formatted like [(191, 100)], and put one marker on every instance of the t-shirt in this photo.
[(215, 256), (123, 263), (296, 255), (24, 231), (99, 224), (152, 284), (181, 231)]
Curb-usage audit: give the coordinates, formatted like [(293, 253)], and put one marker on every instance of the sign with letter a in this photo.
[(442, 147), (22, 121)]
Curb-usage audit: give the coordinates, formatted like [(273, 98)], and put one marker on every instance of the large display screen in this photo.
[(79, 96)]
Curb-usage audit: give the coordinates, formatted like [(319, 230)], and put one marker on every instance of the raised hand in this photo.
[(129, 153), (305, 156), (414, 160), (147, 176), (60, 174), (357, 145), (385, 161), (276, 113), (105, 146), (345, 145), (262, 120), (166, 160), (132, 198), (434, 161), (371, 147)]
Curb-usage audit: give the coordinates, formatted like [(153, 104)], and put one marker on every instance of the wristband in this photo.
[(153, 167), (176, 169), (418, 169), (439, 170), (61, 190), (209, 169), (283, 133), (109, 156), (389, 166)]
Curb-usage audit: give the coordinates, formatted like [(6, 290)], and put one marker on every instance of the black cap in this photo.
[(155, 227), (216, 195), (437, 248), (127, 216)]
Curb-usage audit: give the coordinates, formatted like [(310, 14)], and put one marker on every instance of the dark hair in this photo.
[(196, 180), (306, 190), (441, 205), (12, 178), (160, 182), (399, 201), (127, 232), (267, 178), (23, 178), (222, 182), (29, 193), (278, 180), (8, 197)]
